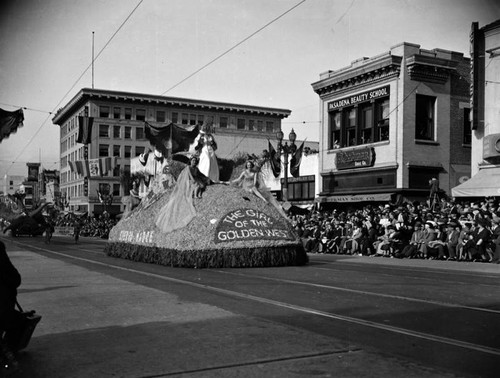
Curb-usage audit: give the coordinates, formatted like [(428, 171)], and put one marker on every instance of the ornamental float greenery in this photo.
[(232, 228)]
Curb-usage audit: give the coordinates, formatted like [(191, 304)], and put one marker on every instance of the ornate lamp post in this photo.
[(287, 150)]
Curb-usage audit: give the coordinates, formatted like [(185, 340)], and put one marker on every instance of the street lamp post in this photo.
[(286, 149)]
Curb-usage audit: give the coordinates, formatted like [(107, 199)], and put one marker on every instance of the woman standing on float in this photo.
[(208, 160)]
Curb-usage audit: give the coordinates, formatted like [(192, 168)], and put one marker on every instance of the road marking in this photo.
[(284, 280), (366, 323)]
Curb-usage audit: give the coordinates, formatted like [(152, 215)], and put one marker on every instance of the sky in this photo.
[(253, 52)]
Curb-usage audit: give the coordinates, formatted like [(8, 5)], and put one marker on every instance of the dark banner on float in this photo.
[(250, 224)]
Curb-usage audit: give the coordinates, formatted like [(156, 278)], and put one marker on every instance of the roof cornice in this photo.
[(370, 71), (86, 94)]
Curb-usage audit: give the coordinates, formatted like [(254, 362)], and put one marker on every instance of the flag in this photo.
[(9, 122), (274, 159), (174, 138), (84, 129), (84, 164), (95, 167), (295, 161), (72, 166), (79, 167)]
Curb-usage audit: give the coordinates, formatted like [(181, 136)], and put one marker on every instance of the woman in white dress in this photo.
[(208, 160)]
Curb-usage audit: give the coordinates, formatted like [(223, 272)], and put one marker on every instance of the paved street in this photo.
[(340, 316)]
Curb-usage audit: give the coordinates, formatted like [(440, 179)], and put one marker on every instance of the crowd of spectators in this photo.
[(93, 226), (451, 230)]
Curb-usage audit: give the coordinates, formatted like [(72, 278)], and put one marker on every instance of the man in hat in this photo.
[(452, 239)]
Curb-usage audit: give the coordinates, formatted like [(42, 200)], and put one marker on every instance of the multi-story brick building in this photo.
[(485, 120), (391, 123), (118, 131)]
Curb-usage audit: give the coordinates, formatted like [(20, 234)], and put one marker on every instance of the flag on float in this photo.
[(84, 129), (172, 137), (295, 161), (274, 160), (9, 122)]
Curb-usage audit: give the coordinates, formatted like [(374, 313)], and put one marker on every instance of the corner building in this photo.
[(118, 131), (391, 123)]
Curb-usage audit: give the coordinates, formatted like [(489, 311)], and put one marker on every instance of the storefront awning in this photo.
[(355, 198), (485, 183)]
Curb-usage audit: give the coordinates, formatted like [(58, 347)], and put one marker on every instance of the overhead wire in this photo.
[(232, 48), (76, 82)]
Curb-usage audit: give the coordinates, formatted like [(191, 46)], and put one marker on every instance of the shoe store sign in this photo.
[(250, 224), (358, 158)]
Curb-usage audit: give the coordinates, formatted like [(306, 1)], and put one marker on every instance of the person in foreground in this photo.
[(10, 280)]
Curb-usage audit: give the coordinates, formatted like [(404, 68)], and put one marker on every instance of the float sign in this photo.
[(250, 224)]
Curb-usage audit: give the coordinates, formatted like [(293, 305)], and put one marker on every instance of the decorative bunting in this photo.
[(9, 122)]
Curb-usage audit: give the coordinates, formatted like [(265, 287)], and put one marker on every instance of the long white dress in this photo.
[(208, 160)]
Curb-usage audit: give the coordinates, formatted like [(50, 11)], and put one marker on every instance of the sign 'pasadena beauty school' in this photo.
[(250, 224)]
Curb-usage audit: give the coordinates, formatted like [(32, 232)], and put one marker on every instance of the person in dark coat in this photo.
[(10, 319)]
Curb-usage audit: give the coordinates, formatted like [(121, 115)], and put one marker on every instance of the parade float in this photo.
[(204, 217)]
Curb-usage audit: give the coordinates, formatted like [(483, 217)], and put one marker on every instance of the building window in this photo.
[(103, 150), (117, 112), (240, 124), (269, 127), (175, 117), (139, 133), (260, 125), (139, 150), (352, 122), (104, 111), (103, 131), (201, 119), (140, 114), (382, 110), (467, 133), (304, 190), (116, 190), (251, 124), (116, 132), (420, 177), (192, 119), (128, 113), (424, 117), (116, 151), (128, 132), (334, 140), (160, 116), (185, 118), (223, 122), (127, 151), (366, 124)]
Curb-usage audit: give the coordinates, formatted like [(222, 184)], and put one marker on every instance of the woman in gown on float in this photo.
[(250, 181), (208, 160)]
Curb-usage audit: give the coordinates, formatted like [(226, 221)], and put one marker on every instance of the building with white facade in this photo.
[(118, 131), (391, 123)]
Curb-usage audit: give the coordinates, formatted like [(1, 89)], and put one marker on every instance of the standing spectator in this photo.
[(76, 232)]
